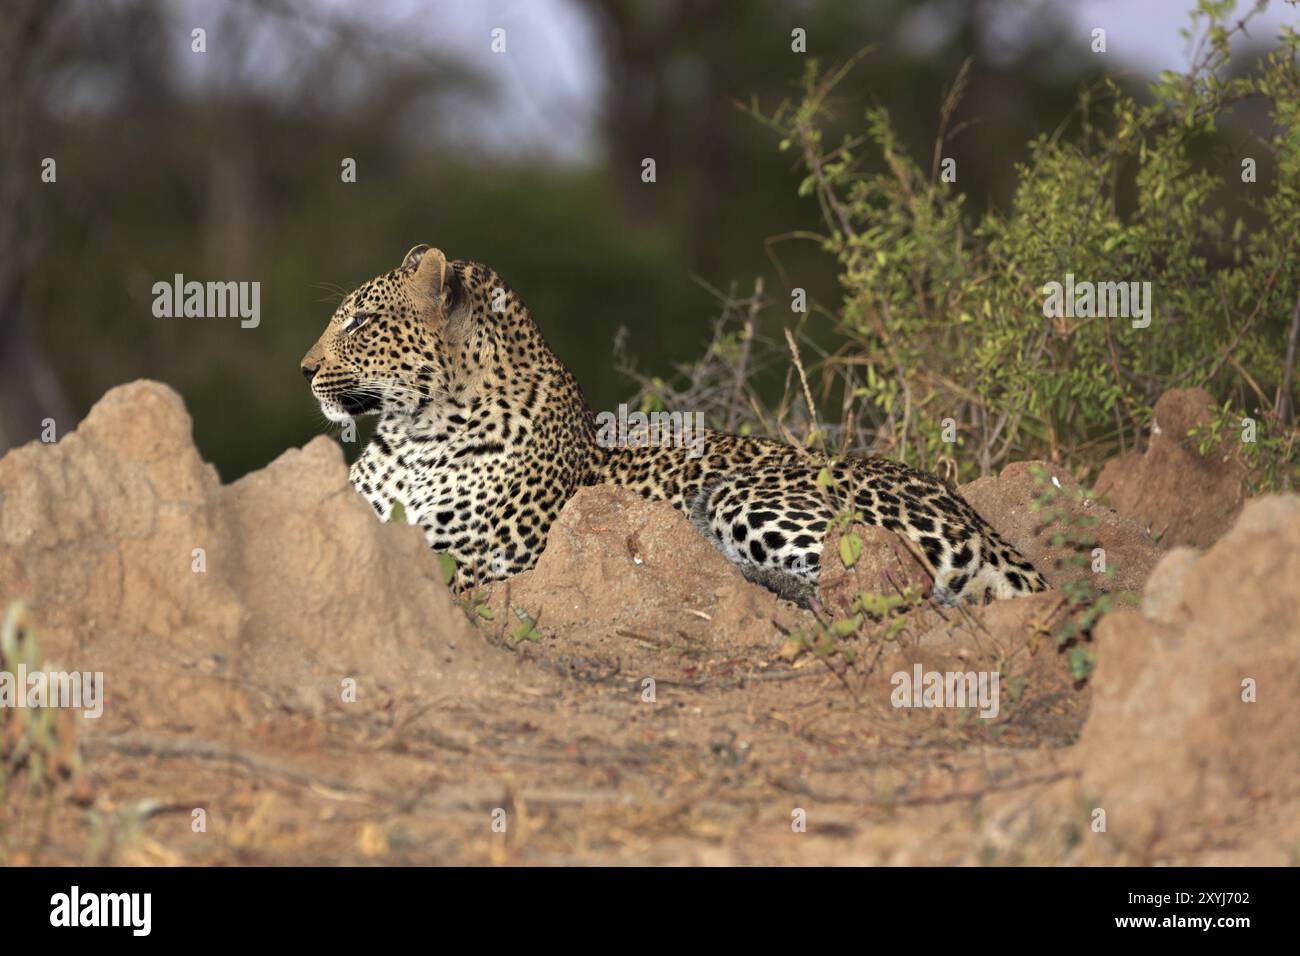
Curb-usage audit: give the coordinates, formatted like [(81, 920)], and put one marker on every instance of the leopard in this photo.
[(482, 435)]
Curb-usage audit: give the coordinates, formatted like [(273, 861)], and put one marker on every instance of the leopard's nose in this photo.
[(309, 371)]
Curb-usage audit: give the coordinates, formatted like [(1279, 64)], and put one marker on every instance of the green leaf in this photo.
[(850, 548), (527, 629), (1081, 663), (448, 565)]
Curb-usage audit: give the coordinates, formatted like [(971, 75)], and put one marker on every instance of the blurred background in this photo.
[(226, 165)]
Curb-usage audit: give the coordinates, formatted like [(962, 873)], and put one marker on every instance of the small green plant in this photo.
[(472, 601), (1266, 456), (877, 617), (527, 629), (1065, 514)]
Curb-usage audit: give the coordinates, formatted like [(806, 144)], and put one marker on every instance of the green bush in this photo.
[(941, 352)]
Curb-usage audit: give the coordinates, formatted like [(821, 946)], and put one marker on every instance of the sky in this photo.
[(549, 79), (1144, 33)]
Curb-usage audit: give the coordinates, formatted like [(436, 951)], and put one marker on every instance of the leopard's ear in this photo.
[(429, 268), (412, 258)]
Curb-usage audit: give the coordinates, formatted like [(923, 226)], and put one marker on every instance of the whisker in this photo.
[(381, 388)]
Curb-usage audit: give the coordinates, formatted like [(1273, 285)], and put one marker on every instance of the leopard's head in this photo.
[(385, 348)]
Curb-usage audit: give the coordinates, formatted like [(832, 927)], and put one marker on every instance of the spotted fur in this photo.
[(483, 435)]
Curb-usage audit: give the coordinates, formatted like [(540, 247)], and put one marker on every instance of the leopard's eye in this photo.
[(358, 320)]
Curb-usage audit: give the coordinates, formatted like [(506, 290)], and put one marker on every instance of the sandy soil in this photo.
[(278, 661)]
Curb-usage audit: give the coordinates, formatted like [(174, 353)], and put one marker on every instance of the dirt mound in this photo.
[(624, 581), (1193, 733), (269, 591), (277, 659), (253, 624), (625, 578), (1184, 497), (1006, 502)]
